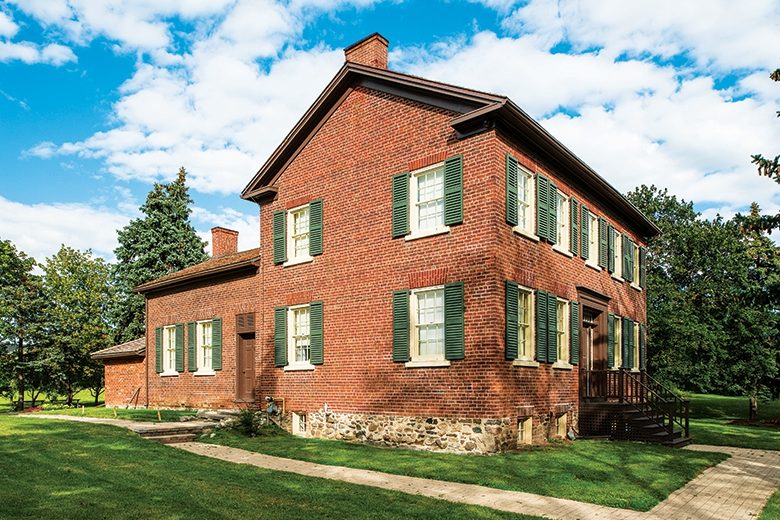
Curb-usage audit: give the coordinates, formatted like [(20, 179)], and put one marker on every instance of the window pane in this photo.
[(430, 199), (562, 237), (524, 324), (523, 200), (430, 323), (300, 232), (301, 340)]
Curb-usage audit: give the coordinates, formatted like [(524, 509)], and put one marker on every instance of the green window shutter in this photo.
[(627, 340), (628, 259), (192, 355), (574, 227), (611, 237), (180, 347), (400, 209), (552, 328), (454, 309), (158, 350), (642, 267), (511, 191), (216, 344), (552, 207), (642, 347), (541, 326), (574, 332), (611, 341), (280, 237), (316, 353), (280, 336), (602, 242), (542, 207), (401, 326), (585, 229), (315, 227), (453, 190), (512, 295)]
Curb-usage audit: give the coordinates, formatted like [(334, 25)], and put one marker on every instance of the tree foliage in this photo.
[(769, 168), (712, 299), (161, 242), (78, 292), (20, 312)]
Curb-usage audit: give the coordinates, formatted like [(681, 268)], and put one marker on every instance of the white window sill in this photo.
[(414, 235), (525, 233), (525, 363), (299, 367), (633, 286), (203, 372), (562, 365), (169, 374), (427, 364), (592, 265), (618, 278), (635, 370), (297, 261), (562, 251)]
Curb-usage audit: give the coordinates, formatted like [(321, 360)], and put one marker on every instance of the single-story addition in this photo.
[(436, 270)]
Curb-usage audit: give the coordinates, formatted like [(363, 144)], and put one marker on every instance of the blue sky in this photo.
[(100, 99)]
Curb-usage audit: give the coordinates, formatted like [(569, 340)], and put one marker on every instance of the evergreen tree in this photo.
[(20, 314), (771, 169), (712, 301), (161, 242), (78, 290)]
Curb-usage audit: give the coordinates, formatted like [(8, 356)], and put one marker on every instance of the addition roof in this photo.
[(133, 348), (477, 111), (248, 259)]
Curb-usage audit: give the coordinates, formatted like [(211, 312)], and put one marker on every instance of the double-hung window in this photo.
[(618, 343), (427, 313), (525, 201), (617, 254), (635, 356), (204, 346), (299, 341), (562, 331), (635, 265), (562, 232), (297, 233), (593, 240), (427, 196), (525, 320), (169, 350)]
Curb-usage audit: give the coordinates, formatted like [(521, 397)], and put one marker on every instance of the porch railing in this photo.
[(643, 392)]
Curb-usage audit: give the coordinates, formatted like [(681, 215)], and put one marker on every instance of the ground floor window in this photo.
[(618, 343), (169, 349), (427, 314), (299, 342), (562, 311), (204, 343)]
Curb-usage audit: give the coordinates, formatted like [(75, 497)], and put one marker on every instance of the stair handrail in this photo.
[(676, 407)]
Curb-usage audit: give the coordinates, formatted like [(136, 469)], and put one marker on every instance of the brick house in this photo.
[(435, 270)]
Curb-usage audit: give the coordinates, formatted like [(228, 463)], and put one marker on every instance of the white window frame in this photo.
[(292, 364), (528, 203), (562, 231), (593, 242), (169, 351), (618, 333), (414, 217), (292, 258), (525, 333), (525, 431), (562, 426), (300, 424), (414, 340), (204, 368), (617, 259), (562, 334), (635, 364), (635, 256)]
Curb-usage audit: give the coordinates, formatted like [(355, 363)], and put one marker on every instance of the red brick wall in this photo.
[(221, 298), (123, 376), (372, 52), (349, 163), (223, 241)]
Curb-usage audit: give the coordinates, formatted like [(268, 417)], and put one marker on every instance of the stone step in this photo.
[(171, 438)]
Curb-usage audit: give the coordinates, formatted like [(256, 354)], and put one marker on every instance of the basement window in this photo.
[(525, 430), (299, 424), (561, 426)]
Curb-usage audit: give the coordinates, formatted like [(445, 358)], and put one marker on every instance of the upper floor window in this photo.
[(593, 239), (427, 201), (525, 200), (617, 254), (562, 235), (297, 233), (635, 279)]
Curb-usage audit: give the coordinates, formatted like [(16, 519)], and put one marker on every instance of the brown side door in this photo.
[(246, 367)]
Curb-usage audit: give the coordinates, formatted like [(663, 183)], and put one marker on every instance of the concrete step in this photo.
[(171, 438), (678, 442)]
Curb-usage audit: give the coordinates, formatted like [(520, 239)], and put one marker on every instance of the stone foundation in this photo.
[(461, 435)]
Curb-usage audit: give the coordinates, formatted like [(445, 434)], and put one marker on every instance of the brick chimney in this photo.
[(223, 241), (371, 51)]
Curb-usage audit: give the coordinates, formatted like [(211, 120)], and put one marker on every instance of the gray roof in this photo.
[(134, 348)]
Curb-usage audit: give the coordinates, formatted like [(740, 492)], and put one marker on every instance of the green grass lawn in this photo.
[(68, 470), (619, 474), (772, 509), (84, 397), (133, 414), (711, 417)]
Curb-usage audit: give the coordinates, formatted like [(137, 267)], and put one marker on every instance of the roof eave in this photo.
[(138, 353), (252, 263)]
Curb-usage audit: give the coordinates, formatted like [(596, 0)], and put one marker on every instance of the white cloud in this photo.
[(27, 52), (40, 229), (8, 27), (247, 225)]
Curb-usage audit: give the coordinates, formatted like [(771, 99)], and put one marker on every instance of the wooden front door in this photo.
[(245, 367), (594, 353)]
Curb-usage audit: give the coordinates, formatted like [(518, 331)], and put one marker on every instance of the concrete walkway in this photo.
[(139, 427), (737, 488)]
